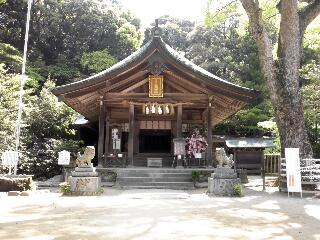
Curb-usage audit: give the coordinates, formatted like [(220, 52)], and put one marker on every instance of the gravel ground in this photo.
[(161, 214)]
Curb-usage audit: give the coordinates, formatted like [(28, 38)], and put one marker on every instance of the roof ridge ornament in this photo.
[(156, 30)]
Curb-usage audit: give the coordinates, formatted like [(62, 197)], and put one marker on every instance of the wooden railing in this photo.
[(272, 163)]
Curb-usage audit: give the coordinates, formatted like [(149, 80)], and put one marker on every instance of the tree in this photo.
[(97, 61), (174, 32), (8, 108), (61, 31), (282, 71), (10, 57), (226, 51), (47, 130), (311, 94)]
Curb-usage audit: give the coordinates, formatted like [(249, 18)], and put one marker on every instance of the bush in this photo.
[(237, 190), (46, 132), (65, 188), (195, 176), (100, 191)]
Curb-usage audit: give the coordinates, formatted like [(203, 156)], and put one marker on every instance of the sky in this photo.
[(149, 10)]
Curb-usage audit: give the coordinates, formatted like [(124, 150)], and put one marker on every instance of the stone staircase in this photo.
[(159, 178), (141, 159)]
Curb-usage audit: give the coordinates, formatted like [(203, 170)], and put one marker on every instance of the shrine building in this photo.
[(139, 105)]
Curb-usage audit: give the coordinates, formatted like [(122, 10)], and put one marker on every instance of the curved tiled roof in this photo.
[(156, 43)]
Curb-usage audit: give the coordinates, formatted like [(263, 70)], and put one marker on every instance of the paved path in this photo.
[(160, 214)]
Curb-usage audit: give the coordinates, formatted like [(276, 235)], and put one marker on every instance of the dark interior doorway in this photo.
[(155, 141), (124, 141)]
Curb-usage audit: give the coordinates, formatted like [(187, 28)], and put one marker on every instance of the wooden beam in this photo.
[(101, 133), (188, 83), (107, 137), (179, 121), (176, 86), (209, 137), (115, 84), (180, 96), (131, 134), (136, 85)]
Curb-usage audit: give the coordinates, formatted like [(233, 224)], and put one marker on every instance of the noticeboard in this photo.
[(179, 145), (64, 158), (293, 170), (9, 158)]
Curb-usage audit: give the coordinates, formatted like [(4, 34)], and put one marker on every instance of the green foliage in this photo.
[(100, 191), (62, 31), (97, 61), (195, 176), (237, 190), (47, 131), (219, 16), (65, 188), (245, 122), (174, 32), (8, 108), (24, 184), (272, 127), (10, 57), (311, 93)]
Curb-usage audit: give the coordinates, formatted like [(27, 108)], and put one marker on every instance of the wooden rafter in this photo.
[(176, 86), (136, 85), (191, 84)]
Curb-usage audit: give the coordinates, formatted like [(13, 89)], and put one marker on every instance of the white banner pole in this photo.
[(22, 82)]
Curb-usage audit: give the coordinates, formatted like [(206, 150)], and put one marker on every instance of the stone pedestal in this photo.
[(222, 182), (84, 181)]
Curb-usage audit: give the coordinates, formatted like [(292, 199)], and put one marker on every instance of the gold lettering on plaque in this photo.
[(155, 86)]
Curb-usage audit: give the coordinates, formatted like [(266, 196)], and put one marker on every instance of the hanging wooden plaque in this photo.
[(155, 86)]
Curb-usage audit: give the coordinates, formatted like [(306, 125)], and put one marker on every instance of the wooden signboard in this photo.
[(155, 86)]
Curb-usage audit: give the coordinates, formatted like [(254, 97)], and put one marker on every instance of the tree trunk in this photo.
[(282, 75), (288, 104)]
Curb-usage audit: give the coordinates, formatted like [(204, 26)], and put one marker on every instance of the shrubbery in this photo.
[(47, 131)]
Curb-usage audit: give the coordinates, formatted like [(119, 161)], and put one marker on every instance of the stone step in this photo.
[(124, 180), (169, 185), (170, 178), (158, 187), (153, 174), (161, 170)]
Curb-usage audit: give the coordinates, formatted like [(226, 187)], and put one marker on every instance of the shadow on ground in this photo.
[(160, 214)]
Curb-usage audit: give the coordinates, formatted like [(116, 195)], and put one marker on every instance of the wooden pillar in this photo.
[(107, 136), (179, 121), (131, 134), (101, 132), (209, 140)]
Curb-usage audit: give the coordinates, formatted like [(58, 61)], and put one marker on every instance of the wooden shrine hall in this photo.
[(143, 102)]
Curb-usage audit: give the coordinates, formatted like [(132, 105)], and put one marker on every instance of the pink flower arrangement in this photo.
[(196, 144)]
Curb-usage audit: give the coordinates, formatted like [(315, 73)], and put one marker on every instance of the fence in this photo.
[(310, 175), (272, 163)]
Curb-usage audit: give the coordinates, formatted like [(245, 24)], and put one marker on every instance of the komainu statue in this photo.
[(223, 159), (86, 157)]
